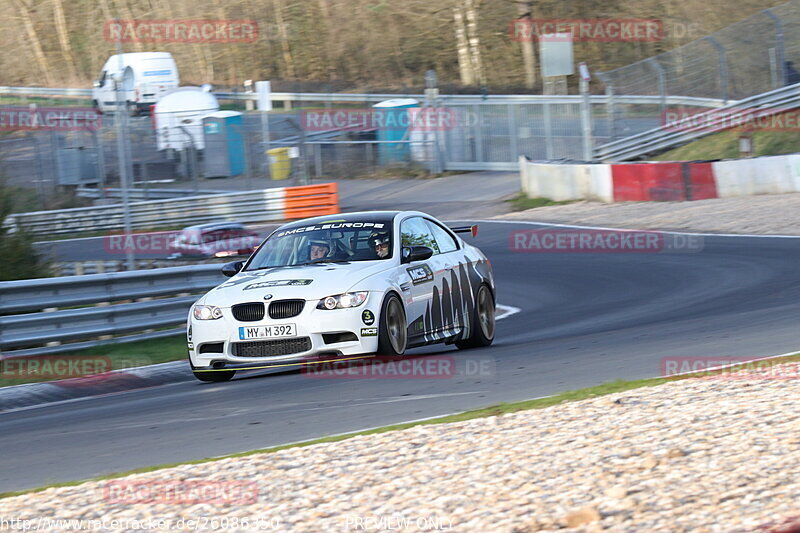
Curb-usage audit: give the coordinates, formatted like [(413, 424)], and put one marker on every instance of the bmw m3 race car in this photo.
[(344, 285)]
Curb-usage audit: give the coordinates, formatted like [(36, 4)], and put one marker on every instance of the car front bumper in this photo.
[(213, 343)]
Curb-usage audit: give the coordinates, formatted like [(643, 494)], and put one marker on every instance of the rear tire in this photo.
[(216, 376), (483, 321), (392, 329)]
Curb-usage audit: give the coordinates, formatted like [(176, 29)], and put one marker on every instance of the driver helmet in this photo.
[(318, 244), (380, 242)]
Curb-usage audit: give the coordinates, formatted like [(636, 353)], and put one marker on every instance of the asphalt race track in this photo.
[(585, 319)]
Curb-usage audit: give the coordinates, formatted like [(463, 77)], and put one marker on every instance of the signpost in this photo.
[(555, 50)]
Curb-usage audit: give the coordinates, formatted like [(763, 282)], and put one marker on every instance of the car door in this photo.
[(429, 311), (455, 281)]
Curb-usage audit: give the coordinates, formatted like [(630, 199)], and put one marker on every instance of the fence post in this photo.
[(512, 129), (478, 133), (37, 164), (317, 160), (611, 107), (723, 66), (586, 120), (662, 83), (101, 162), (779, 46), (548, 131)]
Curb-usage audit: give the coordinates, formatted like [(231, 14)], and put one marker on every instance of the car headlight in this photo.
[(207, 312), (342, 301)]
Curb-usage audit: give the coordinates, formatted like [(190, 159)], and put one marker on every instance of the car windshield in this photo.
[(325, 243)]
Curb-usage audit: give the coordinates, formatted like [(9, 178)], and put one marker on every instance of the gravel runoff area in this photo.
[(704, 455), (774, 214)]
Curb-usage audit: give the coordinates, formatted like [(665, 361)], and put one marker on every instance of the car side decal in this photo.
[(420, 274), (453, 305)]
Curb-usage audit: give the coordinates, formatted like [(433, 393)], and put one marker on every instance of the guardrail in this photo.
[(143, 194), (80, 268), (661, 138), (445, 98), (120, 307), (266, 205)]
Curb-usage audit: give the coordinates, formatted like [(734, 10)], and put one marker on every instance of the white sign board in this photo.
[(264, 90), (555, 51), (584, 71)]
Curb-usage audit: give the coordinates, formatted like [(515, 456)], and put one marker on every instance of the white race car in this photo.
[(344, 285)]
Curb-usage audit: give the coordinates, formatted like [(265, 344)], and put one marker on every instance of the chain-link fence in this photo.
[(749, 57)]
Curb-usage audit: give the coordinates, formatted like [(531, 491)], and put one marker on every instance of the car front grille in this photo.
[(271, 348), (285, 308), (249, 312)]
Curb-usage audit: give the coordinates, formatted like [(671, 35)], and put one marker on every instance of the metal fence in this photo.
[(52, 315), (489, 134), (750, 57)]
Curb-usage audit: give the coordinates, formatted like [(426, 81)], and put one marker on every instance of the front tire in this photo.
[(483, 321), (392, 331)]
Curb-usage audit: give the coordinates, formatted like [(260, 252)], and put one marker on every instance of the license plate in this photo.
[(267, 332)]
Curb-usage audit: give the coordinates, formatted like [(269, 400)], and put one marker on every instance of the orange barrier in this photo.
[(311, 201)]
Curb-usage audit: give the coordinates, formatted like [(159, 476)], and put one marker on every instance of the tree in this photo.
[(20, 258)]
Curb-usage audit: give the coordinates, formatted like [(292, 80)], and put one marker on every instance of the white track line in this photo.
[(530, 222), (507, 311)]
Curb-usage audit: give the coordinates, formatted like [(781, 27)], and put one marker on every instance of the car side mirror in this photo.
[(416, 253), (231, 269)]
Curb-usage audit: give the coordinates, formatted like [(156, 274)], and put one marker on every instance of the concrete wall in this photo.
[(661, 181)]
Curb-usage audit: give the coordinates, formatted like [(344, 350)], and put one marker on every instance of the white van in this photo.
[(146, 77)]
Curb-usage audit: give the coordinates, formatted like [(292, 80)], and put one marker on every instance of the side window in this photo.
[(415, 232), (213, 236), (443, 239)]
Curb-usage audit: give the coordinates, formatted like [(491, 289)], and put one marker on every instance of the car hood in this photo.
[(307, 282)]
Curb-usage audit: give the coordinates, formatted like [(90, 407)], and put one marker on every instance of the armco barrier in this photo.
[(661, 181), (251, 206), (43, 316)]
